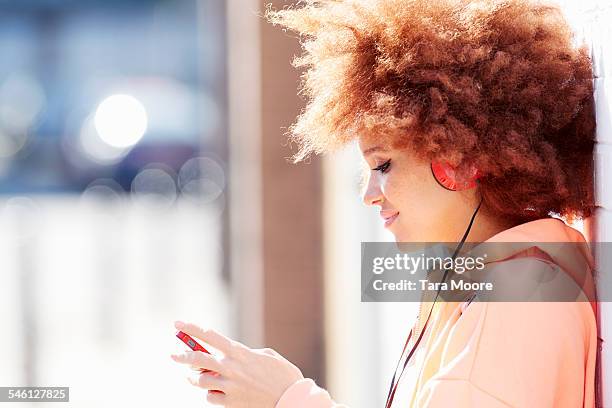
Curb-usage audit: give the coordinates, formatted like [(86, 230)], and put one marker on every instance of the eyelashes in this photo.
[(383, 168)]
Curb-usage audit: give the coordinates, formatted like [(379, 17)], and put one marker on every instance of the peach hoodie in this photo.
[(501, 354)]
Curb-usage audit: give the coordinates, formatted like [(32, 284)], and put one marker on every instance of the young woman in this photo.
[(476, 121)]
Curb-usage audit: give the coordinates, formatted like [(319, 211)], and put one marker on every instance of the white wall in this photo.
[(593, 19)]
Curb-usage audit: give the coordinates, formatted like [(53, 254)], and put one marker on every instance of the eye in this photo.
[(383, 168)]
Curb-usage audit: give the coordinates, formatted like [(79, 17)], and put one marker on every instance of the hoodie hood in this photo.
[(548, 230), (548, 239)]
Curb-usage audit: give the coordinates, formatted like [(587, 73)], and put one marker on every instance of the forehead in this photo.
[(374, 149), (369, 145)]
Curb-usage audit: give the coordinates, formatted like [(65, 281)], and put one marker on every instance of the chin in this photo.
[(408, 235), (402, 237)]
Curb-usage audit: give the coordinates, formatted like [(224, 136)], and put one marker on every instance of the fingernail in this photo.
[(178, 324)]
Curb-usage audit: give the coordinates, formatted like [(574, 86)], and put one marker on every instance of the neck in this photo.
[(486, 226)]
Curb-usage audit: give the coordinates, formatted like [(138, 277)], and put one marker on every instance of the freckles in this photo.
[(398, 186)]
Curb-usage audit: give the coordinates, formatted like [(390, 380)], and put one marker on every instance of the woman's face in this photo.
[(413, 206)]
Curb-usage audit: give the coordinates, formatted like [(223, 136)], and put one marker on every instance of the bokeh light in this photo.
[(154, 187), (102, 191), (11, 142), (201, 179), (95, 149), (121, 120), (21, 101)]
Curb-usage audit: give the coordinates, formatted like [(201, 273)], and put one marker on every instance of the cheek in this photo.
[(424, 208), (407, 193), (422, 221)]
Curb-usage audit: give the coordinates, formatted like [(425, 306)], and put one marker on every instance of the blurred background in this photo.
[(144, 178)]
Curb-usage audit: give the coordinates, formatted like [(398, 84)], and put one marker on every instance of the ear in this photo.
[(455, 178)]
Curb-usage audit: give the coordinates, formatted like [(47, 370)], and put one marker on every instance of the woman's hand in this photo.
[(247, 377)]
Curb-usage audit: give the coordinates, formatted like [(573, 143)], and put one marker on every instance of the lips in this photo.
[(389, 217)]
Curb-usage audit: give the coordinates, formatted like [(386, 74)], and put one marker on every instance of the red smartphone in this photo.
[(188, 340), (195, 346)]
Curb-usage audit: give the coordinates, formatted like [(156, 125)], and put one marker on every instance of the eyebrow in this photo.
[(373, 149)]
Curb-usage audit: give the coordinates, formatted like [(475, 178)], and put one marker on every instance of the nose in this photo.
[(373, 194)]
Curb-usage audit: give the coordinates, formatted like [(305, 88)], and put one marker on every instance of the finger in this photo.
[(203, 370), (210, 336), (269, 351), (216, 398), (200, 370), (199, 360), (209, 382)]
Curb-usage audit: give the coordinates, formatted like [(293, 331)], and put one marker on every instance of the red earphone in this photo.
[(445, 175)]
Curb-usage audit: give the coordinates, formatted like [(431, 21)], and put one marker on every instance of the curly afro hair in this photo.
[(496, 83)]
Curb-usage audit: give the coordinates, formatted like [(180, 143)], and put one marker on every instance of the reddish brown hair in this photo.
[(498, 83)]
